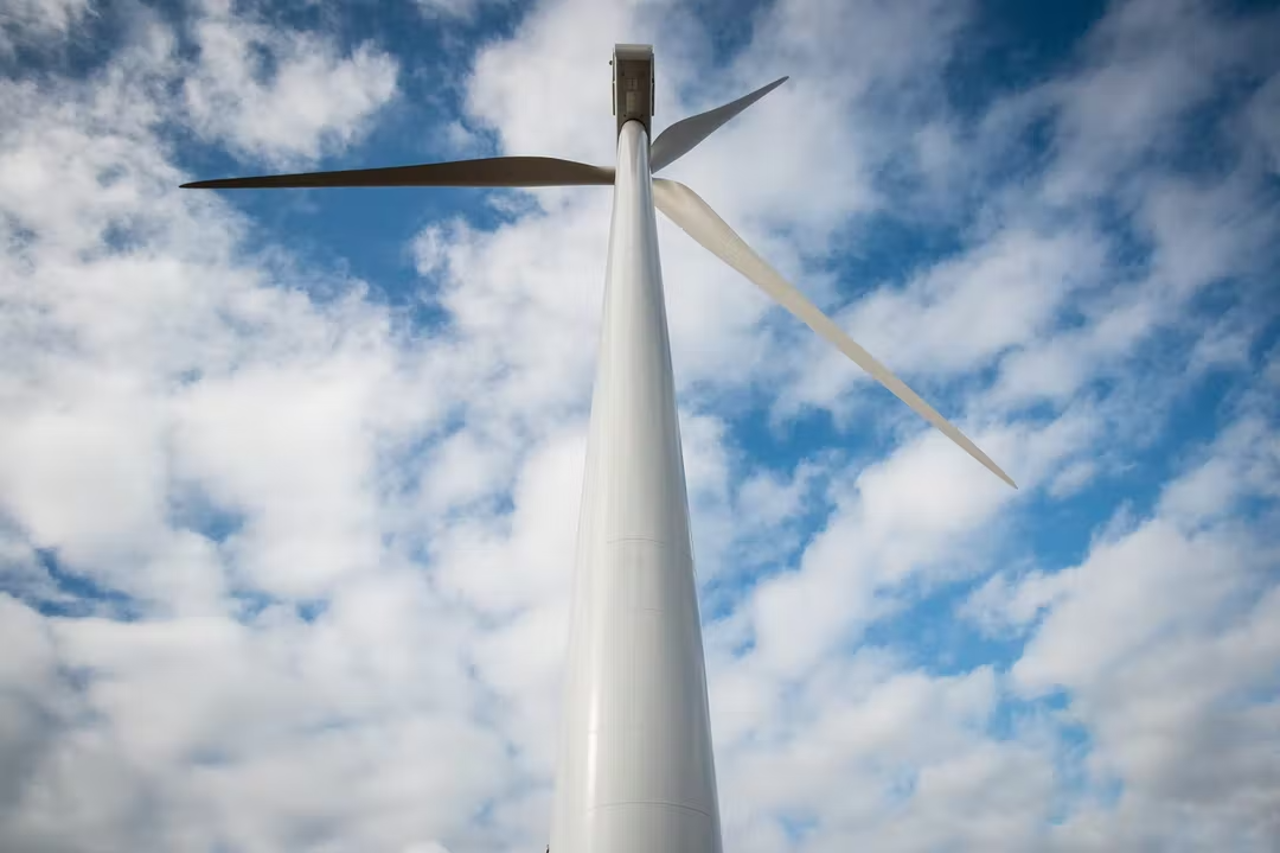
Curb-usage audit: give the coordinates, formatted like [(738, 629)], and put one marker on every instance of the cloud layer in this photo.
[(284, 553)]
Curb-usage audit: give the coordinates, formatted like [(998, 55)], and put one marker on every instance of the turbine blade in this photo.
[(683, 136), (490, 172), (686, 208)]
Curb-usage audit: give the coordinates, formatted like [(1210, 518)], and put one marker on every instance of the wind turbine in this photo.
[(636, 772)]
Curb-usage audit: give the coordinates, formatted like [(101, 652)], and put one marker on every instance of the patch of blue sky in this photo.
[(497, 505), (926, 633), (777, 444), (195, 510), (1077, 782), (1205, 401), (1017, 719), (796, 828), (779, 447), (207, 757), (1059, 529), (728, 26), (250, 605), (888, 249), (484, 814), (94, 41), (1014, 718), (1207, 145), (899, 786), (312, 609), (74, 594), (755, 559), (777, 450), (1013, 43), (1014, 714), (1265, 346), (363, 233)]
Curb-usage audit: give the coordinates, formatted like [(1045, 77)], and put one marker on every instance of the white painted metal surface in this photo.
[(686, 208), (636, 770)]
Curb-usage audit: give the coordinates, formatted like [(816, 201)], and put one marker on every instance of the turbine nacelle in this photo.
[(633, 91)]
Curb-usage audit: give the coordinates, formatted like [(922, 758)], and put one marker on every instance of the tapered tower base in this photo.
[(636, 770)]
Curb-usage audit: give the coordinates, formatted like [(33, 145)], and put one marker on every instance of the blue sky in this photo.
[(288, 481)]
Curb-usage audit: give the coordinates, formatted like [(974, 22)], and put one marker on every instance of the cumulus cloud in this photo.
[(1166, 639), (39, 24), (280, 95), (283, 565), (143, 351)]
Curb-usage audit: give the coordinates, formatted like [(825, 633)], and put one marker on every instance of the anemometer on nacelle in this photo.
[(633, 84)]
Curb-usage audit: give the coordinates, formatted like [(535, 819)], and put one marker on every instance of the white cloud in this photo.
[(282, 96), (1262, 120), (463, 9), (562, 109), (346, 540), (1147, 65), (153, 380), (1165, 639), (961, 315), (39, 24)]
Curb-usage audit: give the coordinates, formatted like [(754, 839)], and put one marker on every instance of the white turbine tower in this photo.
[(636, 771)]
